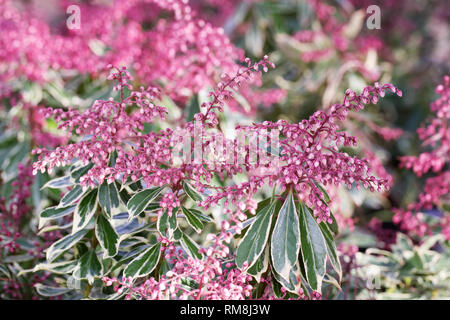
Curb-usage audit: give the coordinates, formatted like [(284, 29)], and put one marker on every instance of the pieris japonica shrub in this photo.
[(141, 222), (136, 162)]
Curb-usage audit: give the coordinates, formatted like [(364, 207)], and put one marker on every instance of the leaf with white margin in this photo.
[(63, 267), (166, 224), (261, 265), (145, 263), (255, 239), (107, 237), (53, 213), (48, 291), (108, 197), (285, 242), (193, 220), (58, 183), (84, 210), (331, 248), (89, 267), (192, 193), (190, 246), (314, 249), (71, 196), (64, 244), (141, 200)]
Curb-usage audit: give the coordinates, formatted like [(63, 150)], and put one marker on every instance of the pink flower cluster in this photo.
[(116, 126), (182, 52), (436, 138), (186, 56), (310, 154), (169, 201), (110, 128)]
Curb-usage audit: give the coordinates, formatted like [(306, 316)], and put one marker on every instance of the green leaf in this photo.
[(112, 159), (63, 267), (190, 246), (152, 207), (191, 192), (141, 200), (193, 107), (255, 239), (58, 183), (7, 139), (129, 256), (76, 172), (324, 192), (331, 248), (260, 266), (123, 193), (134, 226), (52, 213), (166, 224), (292, 285), (132, 186), (108, 197), (276, 287), (193, 220), (5, 271), (64, 244), (200, 215), (18, 258), (285, 243), (89, 267), (55, 90), (84, 210), (49, 291), (177, 234), (107, 237), (36, 194), (71, 196), (314, 250), (329, 279), (333, 226), (145, 263), (17, 154), (254, 39)]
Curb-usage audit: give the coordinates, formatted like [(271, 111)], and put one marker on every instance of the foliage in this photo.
[(407, 271), (143, 157)]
